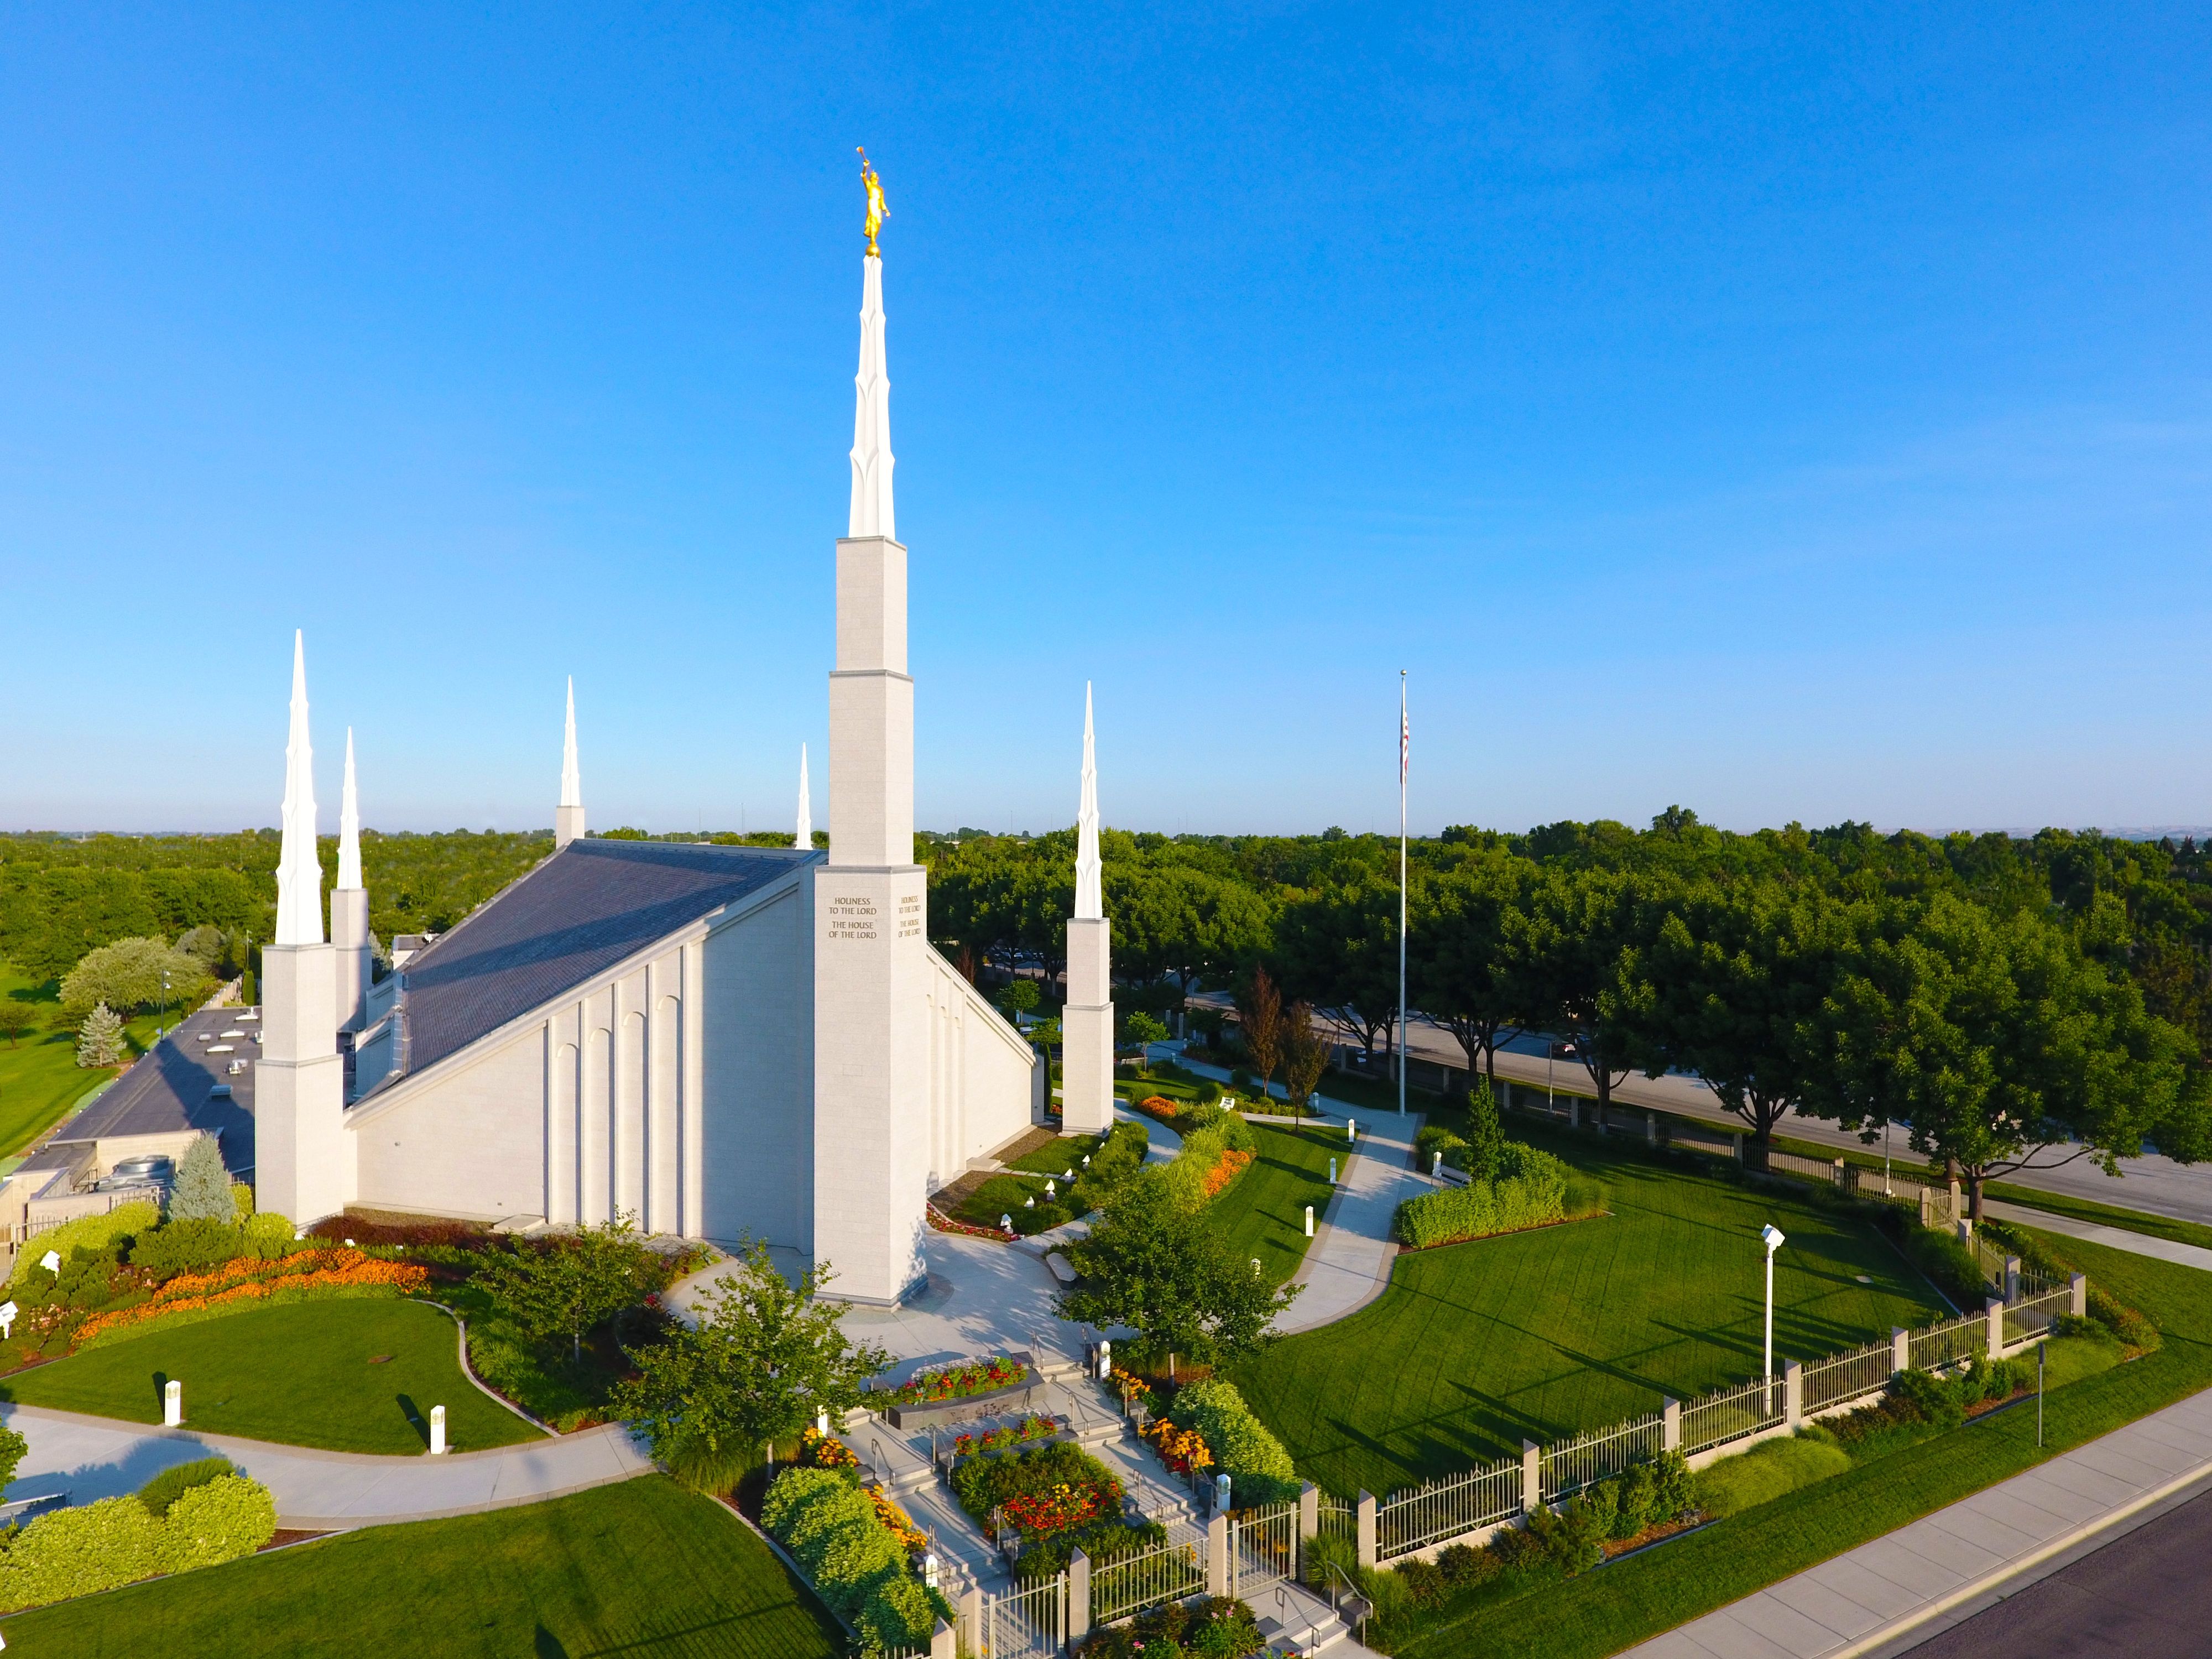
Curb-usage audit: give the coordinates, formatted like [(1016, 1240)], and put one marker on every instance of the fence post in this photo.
[(1994, 1311), (1651, 1129), (1217, 1556), (1670, 1425), (1078, 1597), (1793, 1394), (1309, 1510), (1736, 1144), (2012, 1279), (1574, 1111), (2079, 1283), (1900, 1350), (943, 1641), (1843, 1177), (1965, 1227), (971, 1617), (1532, 1477), (1366, 1542)]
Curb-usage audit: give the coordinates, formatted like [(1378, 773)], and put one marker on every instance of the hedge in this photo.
[(95, 1231), (1258, 1468), (856, 1564), (1531, 1190), (117, 1540)]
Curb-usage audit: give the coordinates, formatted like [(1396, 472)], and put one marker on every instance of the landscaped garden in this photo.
[(640, 1568), (1263, 1214), (1544, 1334), (1050, 1184)]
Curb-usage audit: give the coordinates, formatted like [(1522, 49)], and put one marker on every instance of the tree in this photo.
[(1305, 1055), (1169, 1272), (1019, 998), (1726, 988), (1336, 946), (1485, 1136), (570, 1285), (1465, 927), (765, 1358), (18, 1019), (202, 1189), (1144, 1028), (101, 1041), (1575, 940), (132, 974), (1260, 1016)]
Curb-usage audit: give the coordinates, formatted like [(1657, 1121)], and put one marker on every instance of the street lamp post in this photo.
[(1772, 1237)]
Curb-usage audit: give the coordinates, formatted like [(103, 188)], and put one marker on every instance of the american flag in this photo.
[(1405, 733)]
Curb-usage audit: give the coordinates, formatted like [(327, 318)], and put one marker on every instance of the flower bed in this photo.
[(946, 1224), (1182, 1449), (307, 1275), (960, 1382), (1028, 1428), (1043, 1491), (818, 1451)]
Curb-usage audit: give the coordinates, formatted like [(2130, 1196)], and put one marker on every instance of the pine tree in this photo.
[(1486, 1140), (101, 1041), (202, 1192)]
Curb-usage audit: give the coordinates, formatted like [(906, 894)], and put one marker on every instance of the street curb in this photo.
[(1903, 1627)]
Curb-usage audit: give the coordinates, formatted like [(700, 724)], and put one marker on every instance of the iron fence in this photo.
[(1422, 1516), (1950, 1342), (1263, 1549), (1024, 1624), (2030, 1316), (1851, 1376), (1732, 1413), (1172, 1572), (1567, 1467)]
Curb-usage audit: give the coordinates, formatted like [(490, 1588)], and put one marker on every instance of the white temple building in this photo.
[(721, 1042)]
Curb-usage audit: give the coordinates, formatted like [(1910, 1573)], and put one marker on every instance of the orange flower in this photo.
[(1226, 1169), (346, 1269)]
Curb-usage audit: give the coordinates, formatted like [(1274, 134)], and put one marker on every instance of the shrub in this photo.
[(13, 1449), (219, 1520), (1530, 1191), (898, 1614), (1259, 1470), (834, 1532), (1434, 1139), (95, 1232), (165, 1488), (202, 1191), (269, 1236), (241, 1200), (1570, 1537), (186, 1245), (1425, 1582), (1463, 1564), (1486, 1140), (78, 1551)]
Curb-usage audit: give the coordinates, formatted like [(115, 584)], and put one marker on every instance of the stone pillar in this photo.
[(1651, 1129), (971, 1617), (871, 974), (1309, 1510), (1574, 1111), (303, 1157), (1367, 1529), (1793, 1394), (1843, 1177), (1079, 1596), (1995, 1310), (1532, 1477), (1965, 1227), (1086, 1026), (1670, 1425), (1217, 1555), (2079, 1283), (944, 1642), (1900, 1350), (2012, 1280), (1736, 1144)]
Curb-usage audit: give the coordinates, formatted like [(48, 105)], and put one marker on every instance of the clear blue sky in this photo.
[(1793, 412)]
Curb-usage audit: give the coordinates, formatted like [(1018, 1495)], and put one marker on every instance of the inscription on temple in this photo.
[(909, 918), (852, 917)]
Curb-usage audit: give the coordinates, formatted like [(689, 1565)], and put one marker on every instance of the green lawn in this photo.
[(1547, 1333), (39, 1078), (1002, 1194), (1263, 1213), (307, 1374), (1636, 1598), (642, 1569)]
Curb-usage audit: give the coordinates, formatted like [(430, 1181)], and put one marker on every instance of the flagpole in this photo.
[(1405, 746)]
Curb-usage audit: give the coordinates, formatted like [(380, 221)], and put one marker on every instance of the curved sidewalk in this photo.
[(1348, 1264), (95, 1457)]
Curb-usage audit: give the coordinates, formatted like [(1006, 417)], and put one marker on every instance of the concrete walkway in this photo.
[(2118, 1238), (1348, 1264), (95, 1457), (1883, 1595)]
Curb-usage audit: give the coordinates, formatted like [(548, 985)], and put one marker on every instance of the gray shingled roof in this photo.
[(584, 909), (168, 1090)]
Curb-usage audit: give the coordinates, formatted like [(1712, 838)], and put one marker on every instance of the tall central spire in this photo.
[(802, 836), (299, 872), (348, 826), (572, 781), (872, 512), (1088, 903)]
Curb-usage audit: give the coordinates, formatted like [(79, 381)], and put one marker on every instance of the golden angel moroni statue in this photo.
[(877, 211)]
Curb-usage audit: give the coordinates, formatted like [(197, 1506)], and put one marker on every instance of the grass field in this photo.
[(1570, 1327), (1264, 1213), (1636, 1598), (40, 1078), (305, 1374), (642, 1569)]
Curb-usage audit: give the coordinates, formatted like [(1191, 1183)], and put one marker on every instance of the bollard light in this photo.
[(173, 1403), (437, 1431), (1308, 1221), (1350, 1131)]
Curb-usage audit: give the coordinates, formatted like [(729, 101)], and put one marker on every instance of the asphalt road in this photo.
[(2154, 1184), (2144, 1595)]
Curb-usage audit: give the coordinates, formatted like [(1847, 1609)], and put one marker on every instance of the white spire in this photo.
[(872, 416), (299, 870), (572, 781), (1088, 903), (349, 825), (803, 837)]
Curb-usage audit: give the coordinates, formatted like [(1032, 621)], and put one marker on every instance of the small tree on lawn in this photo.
[(1149, 1264), (202, 1192), (765, 1358), (570, 1285), (100, 1041), (1305, 1055), (1143, 1028), (1260, 1016), (18, 1019), (1019, 998), (1486, 1140)]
